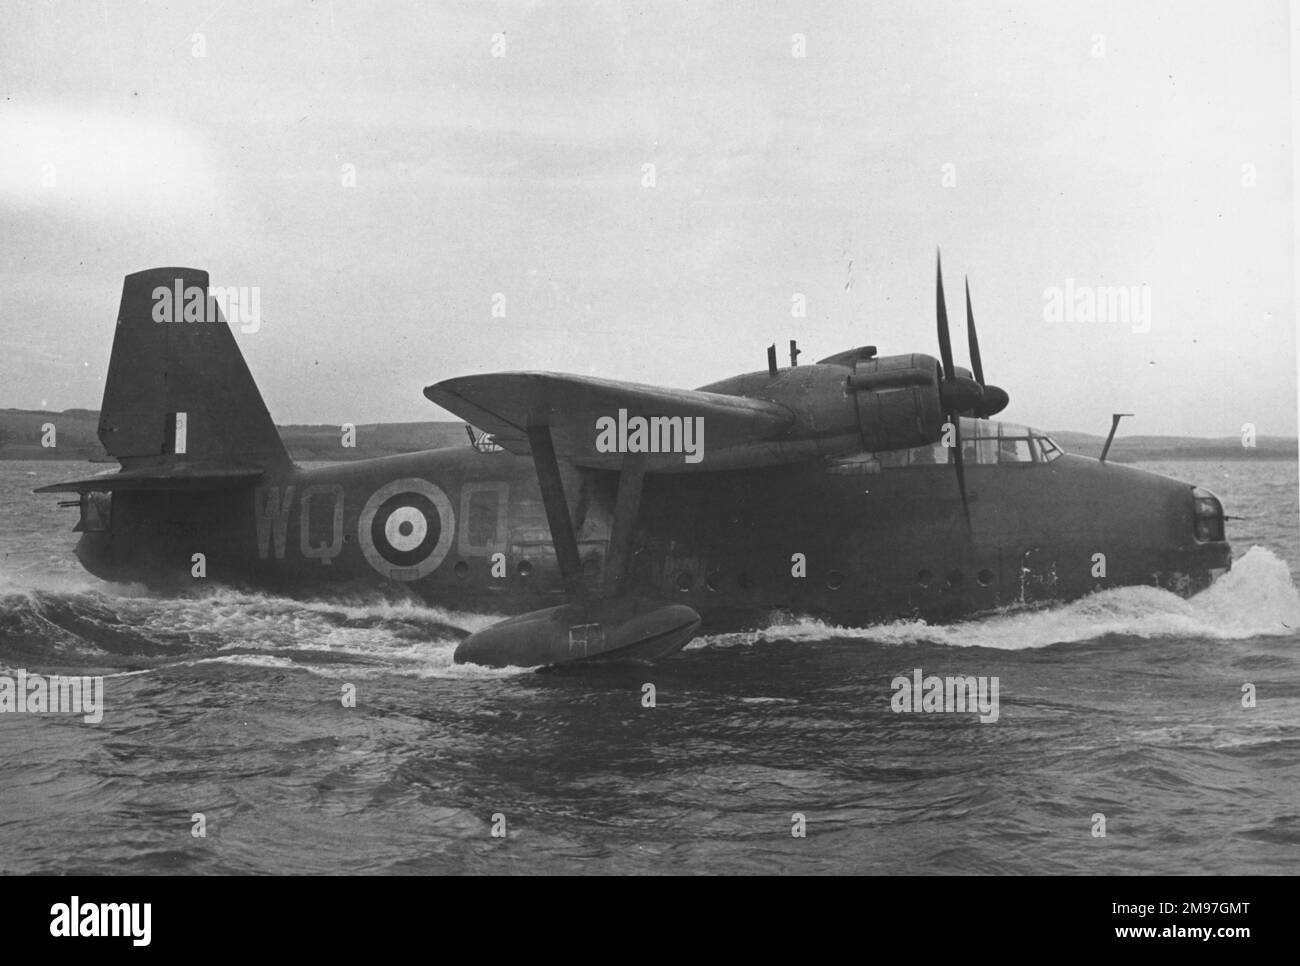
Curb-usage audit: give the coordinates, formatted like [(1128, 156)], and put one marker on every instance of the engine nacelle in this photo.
[(846, 403), (898, 401)]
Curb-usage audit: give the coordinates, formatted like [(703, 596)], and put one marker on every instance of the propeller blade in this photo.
[(945, 342), (959, 462), (973, 339), (994, 399)]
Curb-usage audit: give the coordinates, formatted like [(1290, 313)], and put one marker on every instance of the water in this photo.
[(1126, 704)]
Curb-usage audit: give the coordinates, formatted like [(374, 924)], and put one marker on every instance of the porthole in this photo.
[(985, 577), (685, 581), (834, 580), (462, 569), (924, 578), (713, 581), (954, 578), (524, 569)]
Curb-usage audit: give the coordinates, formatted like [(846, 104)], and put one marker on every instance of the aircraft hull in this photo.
[(731, 546)]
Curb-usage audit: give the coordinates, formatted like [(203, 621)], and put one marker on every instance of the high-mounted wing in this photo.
[(848, 403), (597, 422)]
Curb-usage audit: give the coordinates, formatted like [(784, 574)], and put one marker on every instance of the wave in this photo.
[(123, 629), (1256, 598)]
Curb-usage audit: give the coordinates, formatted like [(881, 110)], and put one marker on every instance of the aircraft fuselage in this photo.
[(846, 540)]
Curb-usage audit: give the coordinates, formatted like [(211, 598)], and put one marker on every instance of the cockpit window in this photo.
[(1020, 444), (1013, 444), (977, 446), (985, 442), (1049, 450)]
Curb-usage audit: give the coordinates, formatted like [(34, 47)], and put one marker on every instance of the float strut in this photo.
[(557, 508), (626, 507)]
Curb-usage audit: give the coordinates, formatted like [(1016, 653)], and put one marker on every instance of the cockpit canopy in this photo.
[(985, 442)]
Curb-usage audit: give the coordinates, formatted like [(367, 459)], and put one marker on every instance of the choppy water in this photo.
[(1127, 703)]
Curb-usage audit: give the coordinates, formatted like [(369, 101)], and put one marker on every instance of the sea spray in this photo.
[(1257, 598)]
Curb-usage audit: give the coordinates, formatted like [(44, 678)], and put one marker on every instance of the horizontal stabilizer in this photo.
[(186, 477), (586, 415)]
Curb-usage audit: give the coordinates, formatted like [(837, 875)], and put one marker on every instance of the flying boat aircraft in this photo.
[(616, 520)]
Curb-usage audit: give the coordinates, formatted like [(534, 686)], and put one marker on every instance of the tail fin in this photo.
[(178, 392)]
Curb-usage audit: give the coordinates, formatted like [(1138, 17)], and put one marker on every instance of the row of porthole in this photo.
[(955, 578), (461, 570), (686, 580), (525, 568), (835, 579)]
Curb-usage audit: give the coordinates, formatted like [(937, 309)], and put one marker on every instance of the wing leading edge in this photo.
[(595, 422)]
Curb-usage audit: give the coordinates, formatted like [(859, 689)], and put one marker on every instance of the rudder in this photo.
[(178, 391)]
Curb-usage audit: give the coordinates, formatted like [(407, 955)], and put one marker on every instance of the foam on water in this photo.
[(1257, 598), (370, 638)]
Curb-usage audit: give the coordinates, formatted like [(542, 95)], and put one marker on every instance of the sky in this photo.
[(386, 176)]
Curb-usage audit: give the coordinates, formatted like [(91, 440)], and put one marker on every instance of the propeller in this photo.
[(957, 393), (994, 399)]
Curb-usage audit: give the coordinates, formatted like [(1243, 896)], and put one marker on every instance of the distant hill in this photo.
[(75, 438), (372, 439), (1131, 449)]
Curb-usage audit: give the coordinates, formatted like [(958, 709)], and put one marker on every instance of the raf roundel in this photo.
[(406, 528)]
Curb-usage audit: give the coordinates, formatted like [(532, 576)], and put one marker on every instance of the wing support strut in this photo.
[(626, 508), (557, 508), (605, 627)]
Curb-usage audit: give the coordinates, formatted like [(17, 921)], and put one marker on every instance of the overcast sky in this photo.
[(1112, 144)]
